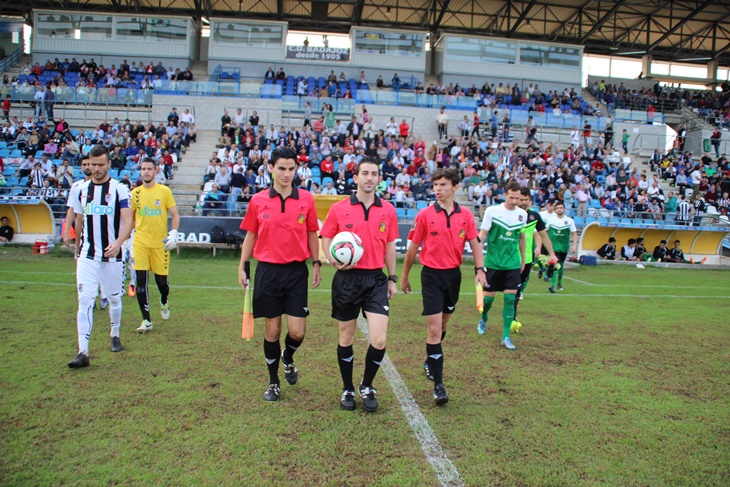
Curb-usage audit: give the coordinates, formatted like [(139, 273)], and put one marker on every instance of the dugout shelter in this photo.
[(31, 218)]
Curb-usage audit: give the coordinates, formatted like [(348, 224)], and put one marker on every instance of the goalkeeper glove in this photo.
[(171, 240)]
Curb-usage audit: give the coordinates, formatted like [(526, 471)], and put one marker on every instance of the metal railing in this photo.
[(11, 59)]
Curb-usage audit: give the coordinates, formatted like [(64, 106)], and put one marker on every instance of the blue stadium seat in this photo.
[(4, 153), (327, 180), (317, 179), (12, 181), (402, 213), (579, 220), (421, 205), (316, 172), (23, 181), (3, 144)]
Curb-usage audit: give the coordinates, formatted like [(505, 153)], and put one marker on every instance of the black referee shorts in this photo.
[(359, 289), (499, 280), (561, 256), (280, 289), (440, 290)]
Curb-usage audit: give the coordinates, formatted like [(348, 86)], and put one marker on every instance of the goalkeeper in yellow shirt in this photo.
[(151, 204)]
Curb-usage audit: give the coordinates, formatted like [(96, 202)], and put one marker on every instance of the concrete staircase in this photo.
[(188, 174)]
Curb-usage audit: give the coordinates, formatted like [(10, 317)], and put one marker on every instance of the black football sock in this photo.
[(142, 299), (435, 362), (164, 288), (290, 346), (345, 359), (272, 352), (443, 335), (372, 364)]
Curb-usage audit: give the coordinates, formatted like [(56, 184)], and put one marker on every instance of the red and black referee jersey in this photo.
[(443, 235), (282, 225), (376, 226)]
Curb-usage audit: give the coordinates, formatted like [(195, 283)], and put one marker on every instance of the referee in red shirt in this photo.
[(443, 230), (281, 233), (363, 286)]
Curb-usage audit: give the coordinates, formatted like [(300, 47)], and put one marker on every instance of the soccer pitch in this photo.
[(619, 380)]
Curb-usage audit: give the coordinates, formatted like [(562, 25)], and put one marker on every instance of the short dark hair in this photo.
[(559, 203), (525, 191), (676, 241), (448, 173), (98, 151), (282, 153), (147, 159), (512, 186), (639, 239), (664, 242), (366, 160), (632, 241), (611, 240)]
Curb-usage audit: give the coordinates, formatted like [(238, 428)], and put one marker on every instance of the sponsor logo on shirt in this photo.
[(157, 202), (147, 211), (92, 209)]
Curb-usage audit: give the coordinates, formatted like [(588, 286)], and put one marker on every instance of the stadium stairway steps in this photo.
[(188, 174)]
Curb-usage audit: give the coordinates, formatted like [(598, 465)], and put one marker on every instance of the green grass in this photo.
[(620, 381)]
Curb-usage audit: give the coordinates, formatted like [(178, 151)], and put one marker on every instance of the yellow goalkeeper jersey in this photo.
[(150, 207)]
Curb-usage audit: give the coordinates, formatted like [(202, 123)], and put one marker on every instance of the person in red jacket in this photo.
[(404, 128)]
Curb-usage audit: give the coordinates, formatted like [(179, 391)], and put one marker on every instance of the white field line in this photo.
[(445, 470), (323, 290)]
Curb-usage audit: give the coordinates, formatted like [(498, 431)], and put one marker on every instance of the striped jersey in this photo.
[(559, 230), (74, 192), (101, 205), (503, 228)]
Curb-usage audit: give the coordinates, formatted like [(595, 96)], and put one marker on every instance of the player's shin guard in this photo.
[(435, 362), (164, 288), (85, 322), (290, 346), (508, 314), (372, 364), (488, 302), (272, 352), (142, 297), (560, 274), (345, 359), (115, 313)]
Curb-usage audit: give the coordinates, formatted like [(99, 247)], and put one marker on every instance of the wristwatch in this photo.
[(316, 262), (478, 268), (393, 278)]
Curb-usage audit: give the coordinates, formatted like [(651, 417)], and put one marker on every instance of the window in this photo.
[(63, 26), (264, 35), (484, 50), (550, 56), (150, 29), (388, 43)]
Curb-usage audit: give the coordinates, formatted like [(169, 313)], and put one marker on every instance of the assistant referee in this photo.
[(443, 229), (281, 233)]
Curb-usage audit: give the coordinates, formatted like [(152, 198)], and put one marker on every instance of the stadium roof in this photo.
[(694, 31)]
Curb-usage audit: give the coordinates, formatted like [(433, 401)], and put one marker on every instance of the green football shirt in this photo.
[(534, 223), (559, 231), (503, 228)]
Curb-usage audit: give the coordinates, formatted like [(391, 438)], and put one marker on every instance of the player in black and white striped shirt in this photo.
[(104, 221)]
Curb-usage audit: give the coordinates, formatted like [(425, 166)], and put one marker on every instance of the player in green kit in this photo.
[(535, 238), (505, 258), (560, 230)]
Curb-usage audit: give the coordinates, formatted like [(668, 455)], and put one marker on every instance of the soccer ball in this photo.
[(346, 248)]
